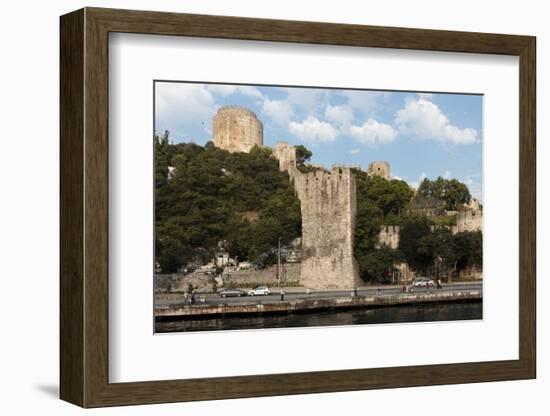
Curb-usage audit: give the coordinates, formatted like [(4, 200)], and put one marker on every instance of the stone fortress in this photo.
[(237, 129), (328, 204)]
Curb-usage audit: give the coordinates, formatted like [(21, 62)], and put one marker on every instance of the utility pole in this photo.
[(279, 274)]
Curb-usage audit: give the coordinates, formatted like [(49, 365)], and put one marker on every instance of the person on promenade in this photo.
[(439, 284), (282, 294)]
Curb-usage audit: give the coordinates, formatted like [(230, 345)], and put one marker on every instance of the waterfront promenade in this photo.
[(297, 300)]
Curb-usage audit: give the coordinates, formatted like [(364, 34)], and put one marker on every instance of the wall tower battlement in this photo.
[(380, 168), (286, 155)]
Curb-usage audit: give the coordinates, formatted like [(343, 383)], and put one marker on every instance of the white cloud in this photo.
[(178, 105), (308, 99), (312, 130), (341, 114), (425, 95), (354, 151), (226, 90), (423, 119), (365, 101), (447, 174), (178, 102), (280, 111), (373, 132)]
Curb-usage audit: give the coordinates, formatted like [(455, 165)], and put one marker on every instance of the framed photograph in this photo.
[(255, 207)]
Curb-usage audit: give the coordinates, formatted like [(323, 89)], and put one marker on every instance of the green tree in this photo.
[(214, 195), (468, 248), (453, 192), (379, 201), (437, 248), (377, 265), (303, 155), (368, 217), (415, 244)]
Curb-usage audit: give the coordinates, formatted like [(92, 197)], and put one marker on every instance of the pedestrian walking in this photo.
[(282, 294), (439, 284), (354, 292), (193, 298), (186, 298)]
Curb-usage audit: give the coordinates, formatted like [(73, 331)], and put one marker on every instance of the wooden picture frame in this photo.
[(84, 207)]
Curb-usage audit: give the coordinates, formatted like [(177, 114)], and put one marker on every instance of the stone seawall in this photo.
[(290, 273), (309, 305)]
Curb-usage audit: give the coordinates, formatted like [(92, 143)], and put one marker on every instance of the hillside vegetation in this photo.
[(209, 195), (212, 195)]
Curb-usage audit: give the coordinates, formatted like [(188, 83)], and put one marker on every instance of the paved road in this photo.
[(298, 293)]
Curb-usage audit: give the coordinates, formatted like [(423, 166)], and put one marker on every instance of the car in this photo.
[(423, 282), (227, 293), (260, 290)]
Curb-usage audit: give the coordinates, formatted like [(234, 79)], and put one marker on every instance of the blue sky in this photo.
[(420, 134)]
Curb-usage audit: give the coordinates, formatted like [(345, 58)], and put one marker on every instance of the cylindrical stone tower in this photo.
[(237, 129)]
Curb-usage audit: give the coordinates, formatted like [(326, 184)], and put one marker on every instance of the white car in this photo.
[(260, 290), (423, 282)]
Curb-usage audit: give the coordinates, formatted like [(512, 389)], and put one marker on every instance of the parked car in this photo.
[(423, 282), (227, 293), (260, 290)]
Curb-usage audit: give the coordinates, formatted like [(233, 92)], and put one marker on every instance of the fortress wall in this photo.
[(389, 235), (471, 220), (236, 129), (465, 221), (290, 273), (328, 205)]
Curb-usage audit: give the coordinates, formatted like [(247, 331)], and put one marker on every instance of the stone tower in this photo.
[(381, 168), (236, 129), (286, 155), (328, 205)]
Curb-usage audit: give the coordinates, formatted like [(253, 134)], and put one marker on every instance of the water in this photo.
[(393, 314)]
